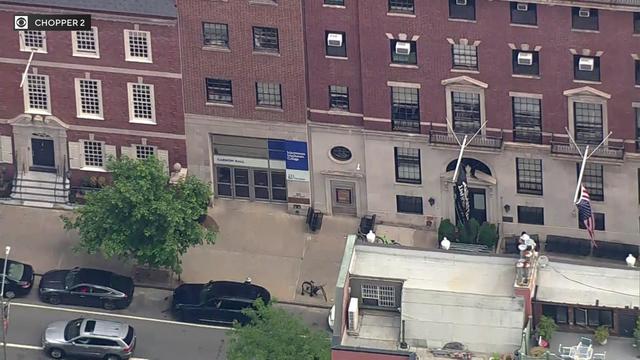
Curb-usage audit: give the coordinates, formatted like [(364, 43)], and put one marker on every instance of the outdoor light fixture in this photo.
[(507, 208), (431, 201)]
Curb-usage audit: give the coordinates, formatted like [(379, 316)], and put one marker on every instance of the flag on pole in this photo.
[(461, 194), (585, 215)]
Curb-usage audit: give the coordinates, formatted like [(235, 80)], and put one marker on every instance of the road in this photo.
[(159, 336)]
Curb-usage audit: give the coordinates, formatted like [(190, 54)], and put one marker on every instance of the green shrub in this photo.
[(446, 228), (468, 233), (546, 327), (488, 235)]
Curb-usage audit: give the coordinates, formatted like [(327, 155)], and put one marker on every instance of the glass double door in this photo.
[(251, 184)]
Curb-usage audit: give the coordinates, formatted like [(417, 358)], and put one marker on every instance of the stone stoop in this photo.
[(40, 189)]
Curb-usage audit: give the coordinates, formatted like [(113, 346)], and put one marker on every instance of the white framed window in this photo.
[(145, 151), (379, 295), (141, 103), (33, 40), (137, 46), (36, 94), (93, 152), (85, 43), (89, 99)]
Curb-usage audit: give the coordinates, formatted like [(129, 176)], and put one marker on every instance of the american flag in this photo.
[(585, 215)]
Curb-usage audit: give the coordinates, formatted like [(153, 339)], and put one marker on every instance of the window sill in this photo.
[(454, 70), (264, 108), (39, 51), (141, 121), (86, 55), (534, 196), (528, 26), (93, 168), (218, 104), (338, 112), (587, 82), (216, 48), (263, 2), (399, 14), (266, 53), (336, 57), (404, 66), (636, 35), (416, 185), (38, 112), (462, 20), (334, 6), (90, 117), (586, 31), (637, 86), (523, 76), (139, 60)]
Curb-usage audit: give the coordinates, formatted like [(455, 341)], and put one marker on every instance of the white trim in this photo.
[(335, 112), (132, 119), (127, 47), (79, 112), (403, 84), (23, 47), (25, 93), (87, 54), (468, 87), (464, 80), (525, 95)]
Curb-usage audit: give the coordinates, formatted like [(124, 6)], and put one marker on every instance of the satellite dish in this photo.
[(543, 261)]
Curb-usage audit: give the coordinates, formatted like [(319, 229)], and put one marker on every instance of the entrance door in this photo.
[(241, 181), (343, 195), (261, 184), (626, 324), (478, 205), (43, 155)]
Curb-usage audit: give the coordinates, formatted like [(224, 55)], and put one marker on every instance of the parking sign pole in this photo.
[(3, 311)]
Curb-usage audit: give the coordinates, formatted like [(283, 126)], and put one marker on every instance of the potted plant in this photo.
[(602, 334), (546, 327), (6, 183), (636, 334)]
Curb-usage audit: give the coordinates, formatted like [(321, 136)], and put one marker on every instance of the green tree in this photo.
[(275, 334), (141, 216)]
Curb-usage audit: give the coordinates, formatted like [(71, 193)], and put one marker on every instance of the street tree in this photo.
[(140, 216), (273, 333)]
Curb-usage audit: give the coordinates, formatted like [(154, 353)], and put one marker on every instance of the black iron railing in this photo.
[(611, 150), (480, 141)]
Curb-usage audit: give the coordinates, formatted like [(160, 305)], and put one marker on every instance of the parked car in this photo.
[(19, 280), (87, 287), (89, 338), (218, 302)]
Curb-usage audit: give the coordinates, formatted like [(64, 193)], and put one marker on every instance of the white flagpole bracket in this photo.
[(585, 157)]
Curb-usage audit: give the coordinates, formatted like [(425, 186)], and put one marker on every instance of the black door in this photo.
[(478, 205), (626, 324), (43, 156)]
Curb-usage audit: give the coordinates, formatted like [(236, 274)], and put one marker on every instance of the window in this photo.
[(584, 18), (341, 153), (338, 98), (531, 215), (464, 57), (599, 222), (93, 153), (403, 52), (408, 165), (527, 120), (409, 204), (145, 151), (137, 46), (529, 176), (265, 39), (33, 40), (586, 68), (587, 122), (141, 103), (278, 185), (89, 98), (637, 64), (378, 295), (85, 43), (525, 62), (219, 91), (462, 9), (466, 112), (269, 94), (523, 13), (36, 94), (405, 109), (336, 43), (102, 342), (402, 6), (637, 129), (636, 23), (593, 180), (556, 312), (593, 317), (334, 2), (215, 34)]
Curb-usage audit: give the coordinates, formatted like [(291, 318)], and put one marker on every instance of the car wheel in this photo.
[(54, 300), (108, 305), (56, 353), (112, 357)]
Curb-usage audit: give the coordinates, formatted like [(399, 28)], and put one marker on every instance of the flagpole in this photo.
[(462, 146), (582, 166)]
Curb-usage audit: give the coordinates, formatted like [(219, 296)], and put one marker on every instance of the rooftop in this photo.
[(161, 8)]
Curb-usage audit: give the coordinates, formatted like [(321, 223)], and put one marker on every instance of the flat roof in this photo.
[(161, 8), (582, 285), (437, 270)]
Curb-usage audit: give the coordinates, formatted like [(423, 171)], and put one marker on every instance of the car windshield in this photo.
[(71, 278), (15, 271), (72, 330)]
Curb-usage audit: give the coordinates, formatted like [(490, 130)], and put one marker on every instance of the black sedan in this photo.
[(88, 287), (216, 302), (19, 280)]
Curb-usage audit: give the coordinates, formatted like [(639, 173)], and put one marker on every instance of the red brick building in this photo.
[(114, 90), (389, 81), (244, 89)]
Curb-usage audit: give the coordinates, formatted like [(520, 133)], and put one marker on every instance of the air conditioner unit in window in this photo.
[(461, 2), (334, 40), (525, 58), (352, 320), (585, 64), (584, 12), (403, 48), (522, 7)]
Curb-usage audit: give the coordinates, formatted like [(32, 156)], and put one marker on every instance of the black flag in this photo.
[(461, 196)]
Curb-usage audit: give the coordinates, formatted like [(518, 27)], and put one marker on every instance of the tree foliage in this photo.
[(141, 216), (275, 334)]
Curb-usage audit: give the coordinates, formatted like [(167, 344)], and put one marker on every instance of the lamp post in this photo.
[(4, 312)]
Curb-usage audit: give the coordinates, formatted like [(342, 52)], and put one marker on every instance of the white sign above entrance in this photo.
[(240, 161), (298, 175)]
